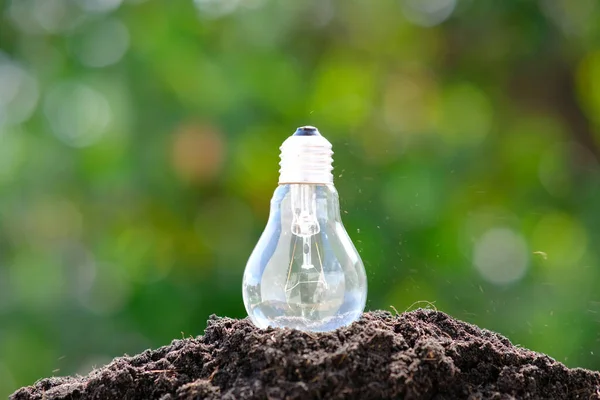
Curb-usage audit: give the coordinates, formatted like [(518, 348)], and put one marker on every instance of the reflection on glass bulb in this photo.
[(305, 273)]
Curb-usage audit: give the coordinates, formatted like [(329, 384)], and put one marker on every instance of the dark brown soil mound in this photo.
[(417, 355)]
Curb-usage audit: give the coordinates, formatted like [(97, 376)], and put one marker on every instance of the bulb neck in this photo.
[(306, 157)]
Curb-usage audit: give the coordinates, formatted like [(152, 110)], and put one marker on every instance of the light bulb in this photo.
[(304, 272)]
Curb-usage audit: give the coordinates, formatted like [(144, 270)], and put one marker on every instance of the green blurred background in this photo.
[(139, 151)]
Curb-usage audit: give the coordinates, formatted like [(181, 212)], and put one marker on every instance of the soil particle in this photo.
[(421, 354)]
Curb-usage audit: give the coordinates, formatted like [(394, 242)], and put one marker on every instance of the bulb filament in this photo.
[(308, 285)]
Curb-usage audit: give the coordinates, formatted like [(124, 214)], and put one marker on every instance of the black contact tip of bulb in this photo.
[(307, 131)]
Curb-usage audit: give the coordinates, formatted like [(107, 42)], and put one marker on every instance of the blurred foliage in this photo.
[(139, 149)]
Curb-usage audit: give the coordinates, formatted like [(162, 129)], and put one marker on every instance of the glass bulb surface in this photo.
[(304, 272)]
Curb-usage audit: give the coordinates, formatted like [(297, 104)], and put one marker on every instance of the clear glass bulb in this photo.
[(304, 272)]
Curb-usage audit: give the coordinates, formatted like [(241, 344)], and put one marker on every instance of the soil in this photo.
[(421, 354)]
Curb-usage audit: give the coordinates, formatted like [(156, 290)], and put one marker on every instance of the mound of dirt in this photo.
[(421, 354)]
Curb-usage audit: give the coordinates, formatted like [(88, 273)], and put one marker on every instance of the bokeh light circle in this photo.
[(427, 12), (78, 114), (18, 94), (500, 255), (103, 44)]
